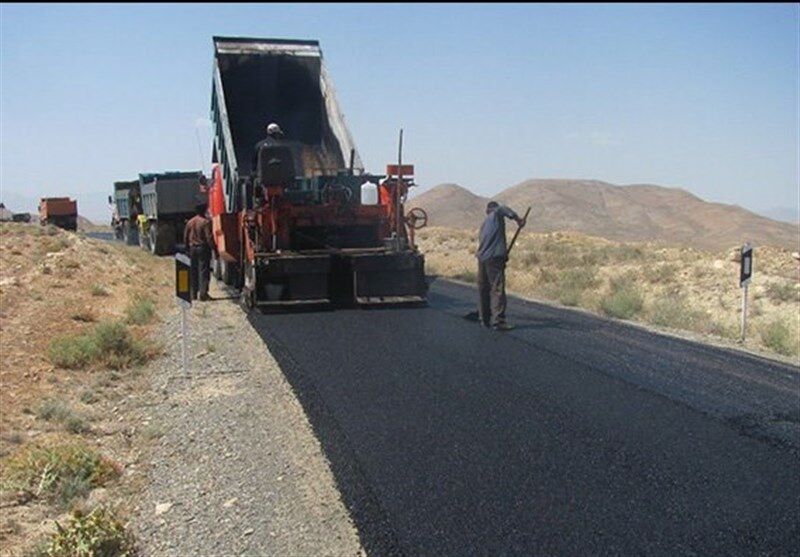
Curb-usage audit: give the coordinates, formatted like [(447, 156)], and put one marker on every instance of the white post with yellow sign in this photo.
[(183, 294)]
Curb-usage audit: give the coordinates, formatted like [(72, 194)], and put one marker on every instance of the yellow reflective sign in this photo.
[(183, 280)]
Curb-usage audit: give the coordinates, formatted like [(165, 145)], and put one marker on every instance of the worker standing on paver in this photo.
[(492, 257), (274, 136), (199, 242)]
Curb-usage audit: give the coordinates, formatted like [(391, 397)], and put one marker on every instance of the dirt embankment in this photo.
[(98, 417), (75, 321), (679, 289)]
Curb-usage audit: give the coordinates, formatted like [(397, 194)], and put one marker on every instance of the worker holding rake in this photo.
[(492, 257)]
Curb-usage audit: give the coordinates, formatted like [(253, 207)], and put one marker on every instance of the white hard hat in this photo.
[(274, 128)]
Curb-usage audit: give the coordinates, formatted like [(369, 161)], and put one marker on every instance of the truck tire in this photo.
[(130, 234), (144, 239), (230, 273), (162, 238)]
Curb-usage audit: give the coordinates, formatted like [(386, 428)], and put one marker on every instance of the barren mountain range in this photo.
[(639, 212)]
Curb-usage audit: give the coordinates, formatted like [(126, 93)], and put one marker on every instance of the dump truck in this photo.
[(127, 206), (299, 222), (169, 200), (59, 211)]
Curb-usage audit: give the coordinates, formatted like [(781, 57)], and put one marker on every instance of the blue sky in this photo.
[(703, 97)]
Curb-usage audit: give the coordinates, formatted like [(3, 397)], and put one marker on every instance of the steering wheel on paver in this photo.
[(417, 218)]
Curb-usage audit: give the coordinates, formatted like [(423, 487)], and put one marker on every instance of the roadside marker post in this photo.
[(183, 295), (745, 274)]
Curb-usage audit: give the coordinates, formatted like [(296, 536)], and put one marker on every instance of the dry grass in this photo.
[(677, 288)]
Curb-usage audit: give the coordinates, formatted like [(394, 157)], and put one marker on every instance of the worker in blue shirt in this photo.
[(492, 256)]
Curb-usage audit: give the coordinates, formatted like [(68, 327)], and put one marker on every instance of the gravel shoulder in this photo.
[(236, 468)]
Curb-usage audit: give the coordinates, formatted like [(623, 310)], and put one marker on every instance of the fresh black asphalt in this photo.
[(570, 435)]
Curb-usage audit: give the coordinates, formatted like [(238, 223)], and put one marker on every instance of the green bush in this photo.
[(73, 351), (140, 312), (117, 347), (58, 472), (96, 534), (625, 299), (778, 336), (109, 343)]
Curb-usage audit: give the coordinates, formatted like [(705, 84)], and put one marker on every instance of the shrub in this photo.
[(109, 343), (625, 299), (779, 337), (58, 472), (84, 315), (140, 312), (98, 533), (98, 290), (88, 396), (527, 258), (73, 351), (53, 410), (782, 292), (720, 329), (569, 285), (675, 313), (660, 273), (117, 347)]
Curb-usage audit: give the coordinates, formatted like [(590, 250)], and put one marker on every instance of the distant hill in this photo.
[(639, 212)]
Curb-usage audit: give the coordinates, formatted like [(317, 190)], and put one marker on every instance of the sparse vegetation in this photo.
[(98, 533), (780, 337), (625, 299), (676, 313), (59, 472), (53, 245), (779, 292), (88, 396), (52, 410), (679, 288), (109, 343), (84, 315), (140, 312), (98, 290), (624, 303)]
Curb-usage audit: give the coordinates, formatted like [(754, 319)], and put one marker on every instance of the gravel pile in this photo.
[(237, 469)]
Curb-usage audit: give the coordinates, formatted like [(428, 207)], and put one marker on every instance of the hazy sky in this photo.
[(703, 97)]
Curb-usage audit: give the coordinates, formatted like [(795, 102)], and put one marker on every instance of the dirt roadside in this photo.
[(237, 469), (215, 462)]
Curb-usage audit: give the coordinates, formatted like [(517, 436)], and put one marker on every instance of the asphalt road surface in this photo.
[(570, 435)]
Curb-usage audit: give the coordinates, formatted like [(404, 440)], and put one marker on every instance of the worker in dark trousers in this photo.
[(199, 242), (492, 256)]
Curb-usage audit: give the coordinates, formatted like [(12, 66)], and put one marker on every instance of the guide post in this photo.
[(745, 274), (183, 294)]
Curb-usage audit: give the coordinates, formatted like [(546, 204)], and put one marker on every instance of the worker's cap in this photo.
[(274, 129)]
